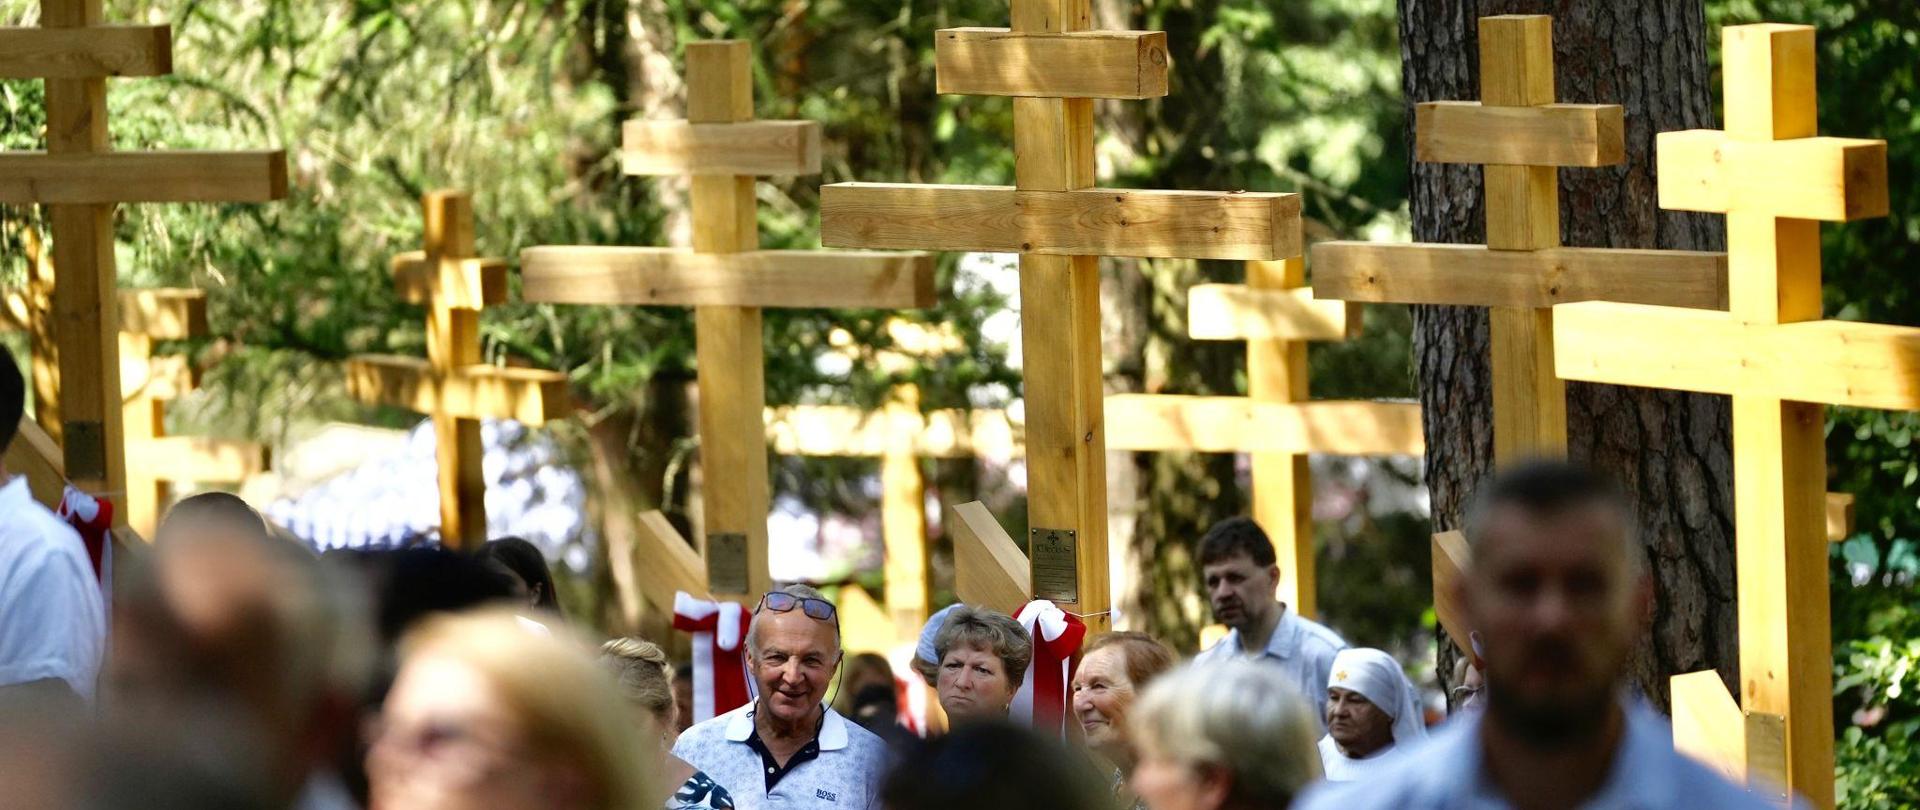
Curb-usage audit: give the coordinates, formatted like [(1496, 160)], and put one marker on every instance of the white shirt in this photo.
[(52, 617), (1445, 773), (847, 773), (1302, 647), (1342, 768)]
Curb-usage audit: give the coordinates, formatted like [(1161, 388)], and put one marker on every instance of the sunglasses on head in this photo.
[(781, 602)]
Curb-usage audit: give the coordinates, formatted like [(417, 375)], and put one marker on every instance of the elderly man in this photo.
[(1240, 572), (787, 748), (1373, 714), (1558, 592)]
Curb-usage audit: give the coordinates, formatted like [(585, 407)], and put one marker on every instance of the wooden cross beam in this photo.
[(1276, 314), (453, 385), (727, 279), (80, 179), (1522, 137), (899, 435), (1775, 181), (1053, 66)]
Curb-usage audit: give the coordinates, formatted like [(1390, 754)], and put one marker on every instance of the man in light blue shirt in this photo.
[(1241, 573), (786, 748), (1558, 593)]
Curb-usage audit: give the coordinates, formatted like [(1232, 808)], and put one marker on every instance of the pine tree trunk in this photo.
[(1669, 450)]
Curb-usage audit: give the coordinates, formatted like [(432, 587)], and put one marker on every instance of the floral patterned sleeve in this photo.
[(700, 792)]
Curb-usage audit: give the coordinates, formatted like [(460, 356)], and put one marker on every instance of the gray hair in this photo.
[(1241, 716), (969, 626), (804, 592)]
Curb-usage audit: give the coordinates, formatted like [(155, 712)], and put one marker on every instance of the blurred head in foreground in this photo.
[(492, 710), (1557, 593), (993, 765), (1226, 735)]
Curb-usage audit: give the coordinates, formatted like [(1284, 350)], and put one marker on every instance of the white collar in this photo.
[(14, 493), (833, 727)]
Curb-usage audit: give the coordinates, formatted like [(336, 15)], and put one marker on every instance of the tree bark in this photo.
[(1669, 450)]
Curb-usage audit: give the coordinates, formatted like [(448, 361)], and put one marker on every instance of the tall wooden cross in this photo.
[(1053, 66), (1521, 136), (1276, 314), (453, 384), (727, 279), (80, 179), (1776, 182)]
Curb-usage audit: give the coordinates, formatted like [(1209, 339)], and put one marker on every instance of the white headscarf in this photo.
[(1378, 678)]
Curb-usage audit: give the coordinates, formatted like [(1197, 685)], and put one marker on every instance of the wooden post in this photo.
[(1776, 182), (1053, 66), (453, 385), (728, 279), (1276, 315), (80, 179)]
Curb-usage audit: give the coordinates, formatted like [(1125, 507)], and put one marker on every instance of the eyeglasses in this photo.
[(781, 602)]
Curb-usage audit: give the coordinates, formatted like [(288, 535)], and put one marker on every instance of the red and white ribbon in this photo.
[(92, 519), (719, 653), (1042, 699)]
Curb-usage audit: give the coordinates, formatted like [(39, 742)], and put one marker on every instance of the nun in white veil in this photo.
[(1373, 714)]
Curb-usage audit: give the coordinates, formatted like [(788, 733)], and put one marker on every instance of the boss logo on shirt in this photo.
[(821, 794)]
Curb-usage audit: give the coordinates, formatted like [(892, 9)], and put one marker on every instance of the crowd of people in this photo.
[(229, 666)]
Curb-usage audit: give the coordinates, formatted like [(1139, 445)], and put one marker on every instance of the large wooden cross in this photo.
[(1276, 314), (453, 384), (1054, 66), (80, 179), (727, 279), (1522, 137), (1776, 182)]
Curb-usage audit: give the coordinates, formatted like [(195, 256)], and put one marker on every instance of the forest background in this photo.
[(519, 101)]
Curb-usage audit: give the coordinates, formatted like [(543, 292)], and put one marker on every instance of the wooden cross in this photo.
[(453, 385), (1521, 136), (157, 461), (1776, 182), (899, 435), (727, 279), (80, 179), (1276, 314), (1053, 66)]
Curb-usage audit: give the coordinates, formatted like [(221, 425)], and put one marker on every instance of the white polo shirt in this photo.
[(846, 773), (52, 618), (1301, 647)]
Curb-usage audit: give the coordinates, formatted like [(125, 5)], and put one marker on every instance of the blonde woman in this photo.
[(1234, 735), (492, 710), (646, 681)]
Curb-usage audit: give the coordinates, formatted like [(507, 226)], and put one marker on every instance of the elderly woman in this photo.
[(1114, 668), (1372, 713), (495, 711), (983, 658), (1226, 736)]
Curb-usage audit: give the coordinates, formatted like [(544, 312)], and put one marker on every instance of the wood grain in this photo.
[(90, 52), (751, 148), (1546, 135), (1473, 275), (759, 278), (1215, 424), (1081, 64), (137, 177), (1083, 222)]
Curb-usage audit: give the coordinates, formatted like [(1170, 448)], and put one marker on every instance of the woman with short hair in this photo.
[(1233, 735), (492, 710), (1114, 668), (983, 657), (1373, 714)]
